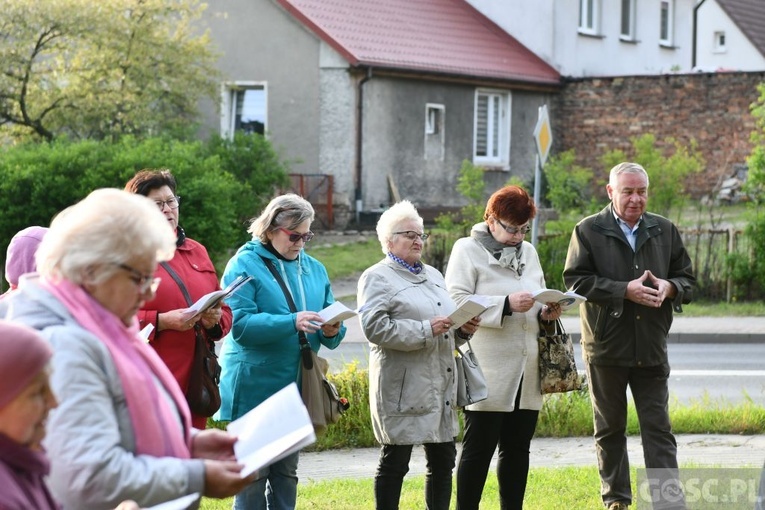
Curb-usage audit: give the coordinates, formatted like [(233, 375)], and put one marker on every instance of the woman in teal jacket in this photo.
[(261, 354)]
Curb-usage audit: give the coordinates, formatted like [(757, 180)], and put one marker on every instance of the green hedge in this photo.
[(223, 183)]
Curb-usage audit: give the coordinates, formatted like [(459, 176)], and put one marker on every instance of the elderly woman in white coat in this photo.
[(411, 360), (497, 263)]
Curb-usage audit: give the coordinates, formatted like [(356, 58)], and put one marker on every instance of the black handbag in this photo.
[(557, 366), (202, 393)]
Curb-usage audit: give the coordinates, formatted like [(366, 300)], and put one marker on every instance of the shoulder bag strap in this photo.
[(184, 290), (305, 347), (178, 280)]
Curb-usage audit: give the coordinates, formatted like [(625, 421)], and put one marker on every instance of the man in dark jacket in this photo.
[(634, 271)]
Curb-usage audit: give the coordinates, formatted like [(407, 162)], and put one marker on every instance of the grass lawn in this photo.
[(565, 487)]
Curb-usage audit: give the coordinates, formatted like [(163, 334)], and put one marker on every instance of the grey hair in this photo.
[(287, 211), (626, 168), (107, 227), (391, 219)]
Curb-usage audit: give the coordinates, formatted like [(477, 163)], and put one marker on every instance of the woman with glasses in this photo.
[(174, 331), (262, 353), (122, 429), (411, 360), (497, 263)]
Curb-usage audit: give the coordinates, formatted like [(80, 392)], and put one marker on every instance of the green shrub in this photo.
[(39, 180)]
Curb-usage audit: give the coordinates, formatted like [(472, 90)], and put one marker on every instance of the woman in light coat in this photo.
[(411, 360), (497, 263), (122, 429)]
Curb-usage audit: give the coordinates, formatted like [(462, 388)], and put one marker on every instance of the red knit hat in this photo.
[(24, 354)]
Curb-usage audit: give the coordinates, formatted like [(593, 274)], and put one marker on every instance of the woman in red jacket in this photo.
[(174, 335)]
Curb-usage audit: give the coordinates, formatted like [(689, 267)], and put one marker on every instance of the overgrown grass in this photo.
[(723, 309), (347, 259)]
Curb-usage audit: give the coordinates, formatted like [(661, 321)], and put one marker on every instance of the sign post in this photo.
[(543, 139)]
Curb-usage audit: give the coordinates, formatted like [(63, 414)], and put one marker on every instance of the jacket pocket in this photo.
[(403, 393)]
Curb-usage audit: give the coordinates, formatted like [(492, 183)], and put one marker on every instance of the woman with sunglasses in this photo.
[(262, 355), (411, 360), (497, 263), (174, 332)]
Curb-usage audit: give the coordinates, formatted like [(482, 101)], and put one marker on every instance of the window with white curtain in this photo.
[(491, 143)]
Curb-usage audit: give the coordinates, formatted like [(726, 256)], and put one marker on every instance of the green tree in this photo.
[(666, 174), (569, 186), (102, 68)]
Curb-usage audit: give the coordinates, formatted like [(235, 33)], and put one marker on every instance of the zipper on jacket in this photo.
[(401, 391)]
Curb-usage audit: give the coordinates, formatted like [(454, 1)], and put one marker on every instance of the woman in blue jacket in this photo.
[(261, 354)]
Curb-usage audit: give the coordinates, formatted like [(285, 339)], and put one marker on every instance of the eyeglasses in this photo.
[(412, 235), (296, 236), (172, 203), (514, 230), (145, 282)]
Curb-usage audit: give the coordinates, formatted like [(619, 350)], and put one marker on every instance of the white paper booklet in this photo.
[(565, 299), (146, 332), (472, 307), (276, 428), (211, 299), (181, 503), (337, 312)]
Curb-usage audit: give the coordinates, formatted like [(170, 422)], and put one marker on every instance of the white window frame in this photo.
[(719, 42), (667, 24), (434, 118), (497, 137), (228, 104), (589, 17), (629, 9)]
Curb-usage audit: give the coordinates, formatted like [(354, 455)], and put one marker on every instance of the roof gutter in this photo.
[(695, 33), (360, 142)]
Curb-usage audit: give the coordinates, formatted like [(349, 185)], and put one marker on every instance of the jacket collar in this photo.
[(605, 224)]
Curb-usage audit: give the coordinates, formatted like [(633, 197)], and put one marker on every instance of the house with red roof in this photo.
[(387, 97)]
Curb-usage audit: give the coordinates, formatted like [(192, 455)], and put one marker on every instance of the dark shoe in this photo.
[(618, 505)]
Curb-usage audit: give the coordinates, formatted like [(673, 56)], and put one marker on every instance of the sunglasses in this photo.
[(295, 236)]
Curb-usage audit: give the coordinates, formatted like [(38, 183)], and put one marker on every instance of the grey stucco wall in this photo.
[(261, 42), (394, 134)]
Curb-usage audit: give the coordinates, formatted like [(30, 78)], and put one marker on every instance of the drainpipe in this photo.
[(695, 32), (360, 141)]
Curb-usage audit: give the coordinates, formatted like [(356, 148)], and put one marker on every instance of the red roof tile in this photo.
[(438, 36)]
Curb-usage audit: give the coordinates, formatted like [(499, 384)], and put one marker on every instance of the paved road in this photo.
[(716, 357)]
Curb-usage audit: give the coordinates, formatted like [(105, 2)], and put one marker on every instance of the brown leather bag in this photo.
[(203, 394)]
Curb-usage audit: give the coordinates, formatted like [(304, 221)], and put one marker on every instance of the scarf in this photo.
[(153, 419), (414, 269), (509, 257)]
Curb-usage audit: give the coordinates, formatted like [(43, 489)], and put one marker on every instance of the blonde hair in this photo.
[(107, 227), (393, 217), (287, 211)]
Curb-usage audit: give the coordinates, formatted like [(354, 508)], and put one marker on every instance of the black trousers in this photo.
[(484, 431), (394, 464)]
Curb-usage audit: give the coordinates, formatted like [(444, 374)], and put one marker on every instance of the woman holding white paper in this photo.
[(174, 332), (496, 263), (122, 428), (412, 391), (261, 355)]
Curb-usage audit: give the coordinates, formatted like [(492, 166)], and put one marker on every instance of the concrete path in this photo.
[(693, 449)]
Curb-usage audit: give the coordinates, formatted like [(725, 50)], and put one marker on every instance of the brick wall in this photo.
[(596, 115)]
